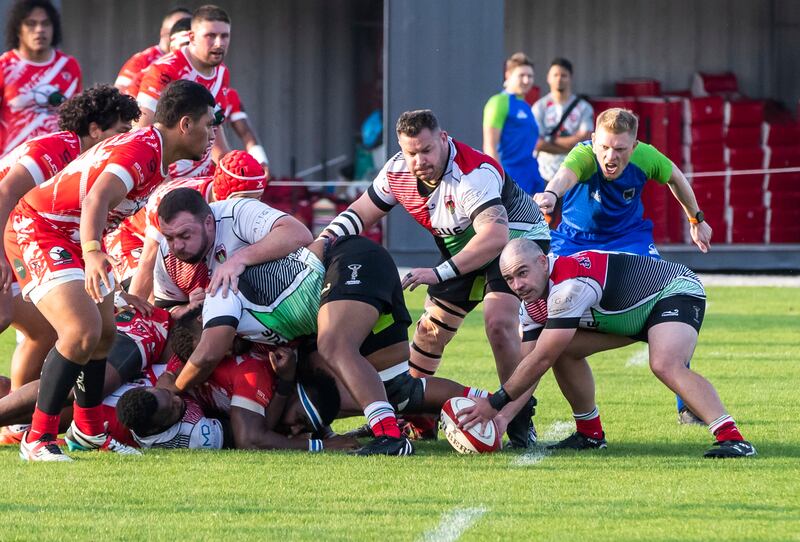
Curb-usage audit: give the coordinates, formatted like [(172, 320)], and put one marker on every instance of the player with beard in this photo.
[(201, 61), (463, 198), (54, 239)]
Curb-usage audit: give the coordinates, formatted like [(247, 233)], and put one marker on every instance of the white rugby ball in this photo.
[(478, 439)]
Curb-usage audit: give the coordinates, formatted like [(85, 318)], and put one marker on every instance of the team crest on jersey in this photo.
[(219, 254), (60, 255), (20, 268), (450, 204), (353, 267), (584, 261), (628, 194)]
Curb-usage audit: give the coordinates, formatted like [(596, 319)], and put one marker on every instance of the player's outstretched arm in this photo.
[(214, 343), (559, 185), (142, 281), (360, 216), (14, 185), (701, 232)]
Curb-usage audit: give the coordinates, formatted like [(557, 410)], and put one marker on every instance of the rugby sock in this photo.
[(724, 428), (58, 377), (588, 423), (88, 412), (475, 392), (382, 420)]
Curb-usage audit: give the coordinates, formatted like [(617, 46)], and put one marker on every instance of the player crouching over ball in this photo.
[(596, 301)]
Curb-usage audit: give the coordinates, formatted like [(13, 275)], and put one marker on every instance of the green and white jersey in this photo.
[(277, 301)]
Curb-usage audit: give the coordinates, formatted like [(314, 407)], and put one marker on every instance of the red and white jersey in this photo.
[(240, 222), (245, 381), (532, 318), (130, 76), (43, 156), (148, 332), (134, 158), (234, 111), (25, 90), (173, 67)]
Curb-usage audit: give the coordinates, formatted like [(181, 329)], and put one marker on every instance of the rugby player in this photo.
[(132, 71), (35, 77), (463, 198), (201, 61), (134, 245), (54, 240), (85, 119), (601, 182), (598, 301)]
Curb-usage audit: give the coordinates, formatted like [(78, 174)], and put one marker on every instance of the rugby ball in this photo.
[(478, 439)]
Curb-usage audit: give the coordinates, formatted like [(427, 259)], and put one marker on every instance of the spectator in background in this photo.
[(510, 132), (35, 78), (131, 73), (564, 119)]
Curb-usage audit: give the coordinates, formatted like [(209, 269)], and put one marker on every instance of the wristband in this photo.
[(258, 152), (551, 192), (314, 445), (499, 399), (446, 270), (284, 387), (91, 246)]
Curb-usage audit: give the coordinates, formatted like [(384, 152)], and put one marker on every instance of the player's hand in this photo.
[(196, 298), (6, 274), (137, 303), (226, 277), (701, 235), (481, 413), (340, 442), (546, 202), (97, 275), (418, 277), (284, 362)]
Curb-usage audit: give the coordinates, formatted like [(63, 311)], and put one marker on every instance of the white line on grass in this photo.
[(453, 524), (639, 358), (554, 433)]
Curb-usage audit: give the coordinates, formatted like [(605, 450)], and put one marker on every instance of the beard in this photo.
[(197, 258)]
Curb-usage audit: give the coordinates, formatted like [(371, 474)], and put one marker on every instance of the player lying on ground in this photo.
[(266, 400), (84, 120), (471, 207), (598, 301)]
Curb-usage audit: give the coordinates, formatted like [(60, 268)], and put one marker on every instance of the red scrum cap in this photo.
[(238, 175)]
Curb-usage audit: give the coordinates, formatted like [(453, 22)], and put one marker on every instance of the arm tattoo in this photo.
[(496, 214)]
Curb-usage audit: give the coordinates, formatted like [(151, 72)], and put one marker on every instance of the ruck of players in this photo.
[(159, 303)]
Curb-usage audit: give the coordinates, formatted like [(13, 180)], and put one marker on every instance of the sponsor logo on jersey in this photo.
[(219, 253), (584, 262), (696, 314), (353, 267), (521, 114), (124, 317), (60, 256), (628, 194), (326, 288), (596, 196), (667, 314), (19, 267)]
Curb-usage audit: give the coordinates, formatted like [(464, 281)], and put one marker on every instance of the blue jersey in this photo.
[(518, 136)]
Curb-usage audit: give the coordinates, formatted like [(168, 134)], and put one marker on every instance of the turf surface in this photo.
[(650, 484)]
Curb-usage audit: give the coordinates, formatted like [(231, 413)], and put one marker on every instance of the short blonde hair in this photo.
[(618, 121)]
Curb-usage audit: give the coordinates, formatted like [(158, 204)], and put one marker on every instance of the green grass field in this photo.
[(650, 484)]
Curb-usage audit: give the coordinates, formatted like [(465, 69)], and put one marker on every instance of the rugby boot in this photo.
[(730, 448), (362, 431), (420, 427), (579, 441), (79, 441), (521, 431), (42, 449), (12, 434), (387, 446)]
